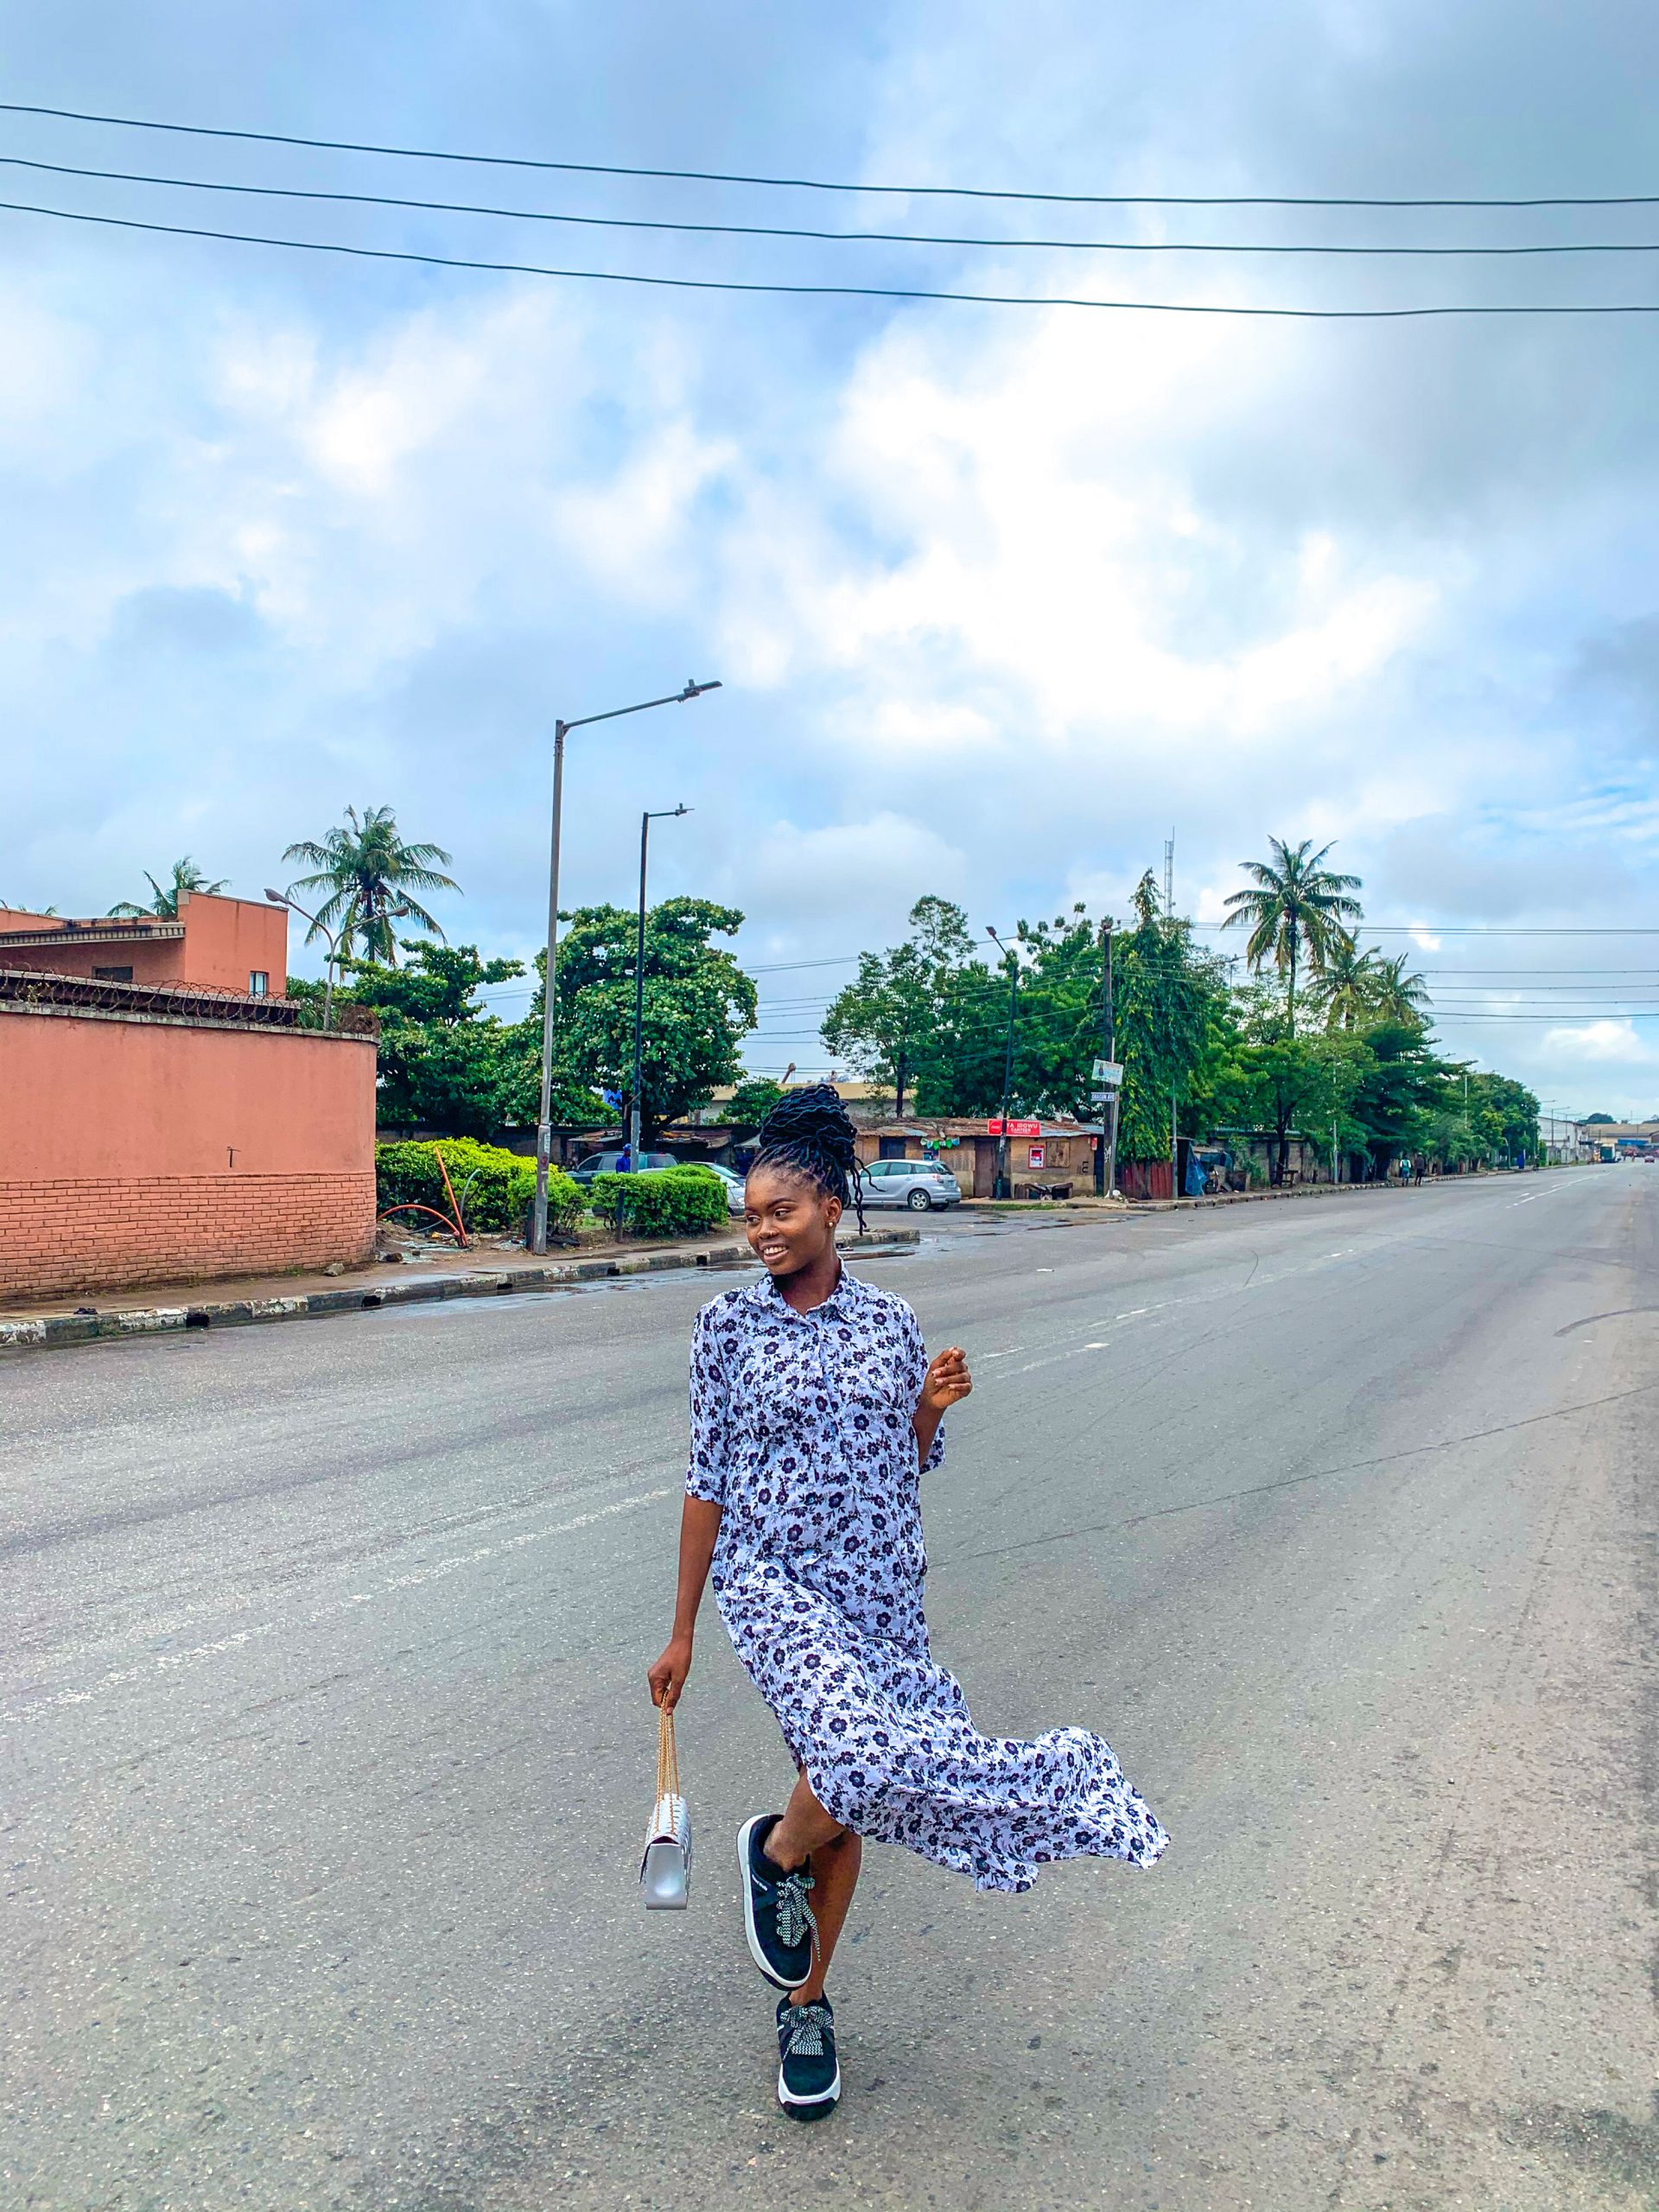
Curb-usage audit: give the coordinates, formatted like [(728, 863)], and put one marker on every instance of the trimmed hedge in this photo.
[(502, 1184), (662, 1201)]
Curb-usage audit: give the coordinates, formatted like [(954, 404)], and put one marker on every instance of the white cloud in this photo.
[(1607, 1043)]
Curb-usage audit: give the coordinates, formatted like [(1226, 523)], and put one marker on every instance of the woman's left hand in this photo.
[(947, 1381)]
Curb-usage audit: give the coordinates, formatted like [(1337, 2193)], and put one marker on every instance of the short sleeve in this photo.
[(915, 1355), (711, 1456)]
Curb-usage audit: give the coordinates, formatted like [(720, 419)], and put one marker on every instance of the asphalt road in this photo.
[(328, 1754)]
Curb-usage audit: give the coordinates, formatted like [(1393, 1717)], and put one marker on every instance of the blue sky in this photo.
[(997, 597)]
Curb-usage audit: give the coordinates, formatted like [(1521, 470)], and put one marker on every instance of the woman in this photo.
[(814, 1413)]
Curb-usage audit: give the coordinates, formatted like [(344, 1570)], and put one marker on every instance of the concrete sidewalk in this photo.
[(489, 1272)]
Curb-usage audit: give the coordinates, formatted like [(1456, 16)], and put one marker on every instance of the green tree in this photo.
[(699, 1004), (446, 1062), (1170, 1007), (887, 1024), (1505, 1115), (1173, 1026), (164, 896), (1345, 988), (1298, 911), (370, 877), (1399, 1091), (751, 1102), (1284, 1086), (1396, 996)]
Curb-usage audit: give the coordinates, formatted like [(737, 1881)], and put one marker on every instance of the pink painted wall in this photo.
[(133, 1150), (123, 1097)]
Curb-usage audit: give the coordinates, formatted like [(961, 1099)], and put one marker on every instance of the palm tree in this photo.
[(1396, 996), (1296, 907), (1346, 990), (369, 875), (164, 901)]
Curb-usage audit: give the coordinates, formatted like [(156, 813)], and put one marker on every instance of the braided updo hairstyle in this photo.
[(809, 1131)]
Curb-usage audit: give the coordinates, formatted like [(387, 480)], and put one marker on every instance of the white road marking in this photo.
[(163, 1661)]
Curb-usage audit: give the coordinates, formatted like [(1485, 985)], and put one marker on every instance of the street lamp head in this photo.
[(694, 690), (275, 897)]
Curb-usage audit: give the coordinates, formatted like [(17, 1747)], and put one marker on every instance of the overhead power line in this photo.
[(1482, 929), (786, 230), (839, 291), (820, 184)]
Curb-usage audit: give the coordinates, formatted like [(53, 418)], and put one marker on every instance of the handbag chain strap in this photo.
[(668, 1763)]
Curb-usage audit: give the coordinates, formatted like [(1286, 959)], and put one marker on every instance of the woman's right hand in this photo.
[(667, 1677)]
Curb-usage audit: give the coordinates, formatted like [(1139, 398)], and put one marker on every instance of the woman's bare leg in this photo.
[(834, 1877), (807, 1831)]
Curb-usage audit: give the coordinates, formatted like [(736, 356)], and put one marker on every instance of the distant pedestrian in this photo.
[(815, 1411)]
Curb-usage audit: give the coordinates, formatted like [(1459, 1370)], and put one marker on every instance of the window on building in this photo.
[(890, 1147), (258, 983), (112, 975)]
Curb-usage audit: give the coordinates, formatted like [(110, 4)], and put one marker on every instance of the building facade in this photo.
[(173, 1126)]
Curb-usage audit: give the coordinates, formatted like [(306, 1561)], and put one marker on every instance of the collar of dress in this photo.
[(841, 1299)]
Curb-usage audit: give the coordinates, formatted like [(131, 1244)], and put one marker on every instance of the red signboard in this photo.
[(1015, 1129)]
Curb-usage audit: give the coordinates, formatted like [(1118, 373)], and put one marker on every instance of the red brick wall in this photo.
[(137, 1150), (90, 1235)]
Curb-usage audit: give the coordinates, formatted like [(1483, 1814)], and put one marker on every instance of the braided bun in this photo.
[(808, 1130)]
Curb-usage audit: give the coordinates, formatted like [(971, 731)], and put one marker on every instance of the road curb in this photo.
[(51, 1331), (1281, 1197)]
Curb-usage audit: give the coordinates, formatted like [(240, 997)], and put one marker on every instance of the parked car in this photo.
[(604, 1163), (919, 1184), (732, 1184)]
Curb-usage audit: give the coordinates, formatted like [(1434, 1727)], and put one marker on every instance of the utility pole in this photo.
[(666, 814), (1106, 1150), (1004, 1187), (1174, 1147), (551, 988)]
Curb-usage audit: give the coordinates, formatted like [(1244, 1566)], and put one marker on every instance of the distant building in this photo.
[(1620, 1140), (216, 945)]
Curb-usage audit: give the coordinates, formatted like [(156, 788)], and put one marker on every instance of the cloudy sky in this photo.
[(998, 595)]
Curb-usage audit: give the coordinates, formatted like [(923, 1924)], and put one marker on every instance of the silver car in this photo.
[(917, 1183), (729, 1181)]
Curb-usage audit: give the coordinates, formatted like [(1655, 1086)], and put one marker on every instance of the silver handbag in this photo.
[(665, 1870)]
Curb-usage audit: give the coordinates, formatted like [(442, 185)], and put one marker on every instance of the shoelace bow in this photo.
[(806, 2025), (796, 1919)]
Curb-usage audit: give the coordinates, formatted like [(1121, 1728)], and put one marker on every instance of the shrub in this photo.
[(662, 1201), (494, 1187)]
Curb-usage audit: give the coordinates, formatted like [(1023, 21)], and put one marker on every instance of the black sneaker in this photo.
[(809, 2078), (777, 1917)]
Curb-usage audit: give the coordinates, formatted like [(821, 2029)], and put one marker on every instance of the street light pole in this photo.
[(1106, 1152), (1004, 1187), (550, 988), (665, 814), (279, 898)]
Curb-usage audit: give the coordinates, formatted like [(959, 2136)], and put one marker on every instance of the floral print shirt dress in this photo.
[(801, 1430)]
